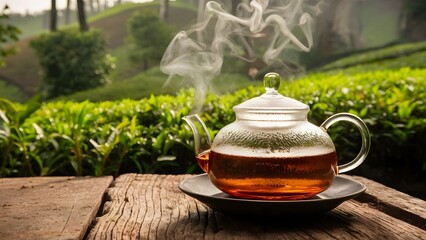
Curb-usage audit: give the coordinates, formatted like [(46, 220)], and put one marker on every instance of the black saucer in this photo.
[(201, 188)]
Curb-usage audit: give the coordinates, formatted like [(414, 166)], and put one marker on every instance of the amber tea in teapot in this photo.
[(262, 177), (271, 151)]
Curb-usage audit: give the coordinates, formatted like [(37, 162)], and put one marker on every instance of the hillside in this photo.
[(412, 55), (153, 81), (22, 69)]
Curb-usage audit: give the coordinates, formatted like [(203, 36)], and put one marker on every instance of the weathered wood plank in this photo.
[(49, 207), (395, 203), (152, 207)]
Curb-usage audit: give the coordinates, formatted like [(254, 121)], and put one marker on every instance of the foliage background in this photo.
[(149, 136), (134, 125), (8, 33), (72, 61)]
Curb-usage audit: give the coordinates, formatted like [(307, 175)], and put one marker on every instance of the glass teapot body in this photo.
[(271, 151), (272, 159)]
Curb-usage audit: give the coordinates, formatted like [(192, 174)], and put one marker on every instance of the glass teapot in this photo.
[(271, 151)]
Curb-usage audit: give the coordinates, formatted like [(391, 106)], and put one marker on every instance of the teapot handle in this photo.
[(365, 137)]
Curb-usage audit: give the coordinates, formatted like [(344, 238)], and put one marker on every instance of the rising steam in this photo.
[(197, 54)]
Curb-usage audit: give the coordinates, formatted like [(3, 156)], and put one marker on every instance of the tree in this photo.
[(92, 9), (148, 37), (98, 4), (82, 16), (68, 12), (412, 20), (53, 16), (8, 34), (72, 61), (164, 9)]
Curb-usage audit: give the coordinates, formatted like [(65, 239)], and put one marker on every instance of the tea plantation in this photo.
[(387, 90)]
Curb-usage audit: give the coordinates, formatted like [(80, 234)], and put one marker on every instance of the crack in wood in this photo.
[(392, 210), (68, 219)]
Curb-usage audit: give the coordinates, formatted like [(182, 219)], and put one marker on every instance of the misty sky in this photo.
[(34, 6)]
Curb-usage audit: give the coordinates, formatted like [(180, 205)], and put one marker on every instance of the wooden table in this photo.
[(49, 207), (152, 207)]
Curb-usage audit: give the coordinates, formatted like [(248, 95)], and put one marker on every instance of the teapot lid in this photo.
[(271, 105)]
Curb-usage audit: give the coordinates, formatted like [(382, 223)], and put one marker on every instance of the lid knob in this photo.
[(271, 82)]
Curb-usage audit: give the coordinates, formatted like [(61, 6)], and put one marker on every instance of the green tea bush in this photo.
[(153, 82), (148, 37), (414, 60), (391, 102), (11, 92), (8, 34), (148, 135), (63, 138), (393, 52), (72, 61)]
